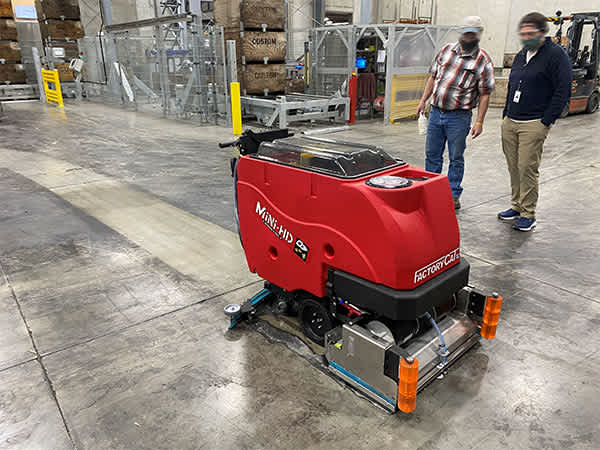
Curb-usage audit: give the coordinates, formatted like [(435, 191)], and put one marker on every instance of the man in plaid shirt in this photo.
[(462, 76)]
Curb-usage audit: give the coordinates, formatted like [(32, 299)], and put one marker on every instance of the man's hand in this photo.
[(421, 107), (477, 129)]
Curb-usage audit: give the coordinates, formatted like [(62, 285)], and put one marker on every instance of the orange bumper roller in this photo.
[(491, 315), (407, 385)]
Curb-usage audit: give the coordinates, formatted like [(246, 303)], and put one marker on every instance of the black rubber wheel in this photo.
[(565, 111), (593, 101), (315, 320)]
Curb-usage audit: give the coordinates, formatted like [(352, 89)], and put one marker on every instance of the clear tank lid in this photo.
[(336, 158)]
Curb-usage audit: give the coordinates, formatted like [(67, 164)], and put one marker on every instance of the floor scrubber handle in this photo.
[(229, 144)]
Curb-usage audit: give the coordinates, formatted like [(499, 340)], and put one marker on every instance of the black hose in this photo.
[(101, 46)]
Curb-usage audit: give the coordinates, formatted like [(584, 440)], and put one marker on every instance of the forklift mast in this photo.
[(584, 54), (581, 58)]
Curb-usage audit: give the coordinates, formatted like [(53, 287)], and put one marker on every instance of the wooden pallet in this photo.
[(18, 92)]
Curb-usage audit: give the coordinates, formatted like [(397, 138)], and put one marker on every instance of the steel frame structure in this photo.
[(326, 64), (296, 107)]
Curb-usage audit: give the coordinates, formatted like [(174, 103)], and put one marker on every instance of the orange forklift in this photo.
[(582, 43)]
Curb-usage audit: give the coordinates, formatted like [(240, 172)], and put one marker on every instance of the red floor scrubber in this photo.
[(364, 249)]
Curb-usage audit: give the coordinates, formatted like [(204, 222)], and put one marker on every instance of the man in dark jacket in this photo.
[(539, 87)]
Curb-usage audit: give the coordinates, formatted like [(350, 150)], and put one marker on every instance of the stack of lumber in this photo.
[(11, 69), (60, 26)]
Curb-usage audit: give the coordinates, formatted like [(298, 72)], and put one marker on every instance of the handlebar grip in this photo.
[(227, 144)]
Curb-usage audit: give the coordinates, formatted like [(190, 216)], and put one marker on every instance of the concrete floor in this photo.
[(118, 254)]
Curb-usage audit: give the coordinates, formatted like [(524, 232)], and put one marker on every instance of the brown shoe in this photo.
[(456, 202)]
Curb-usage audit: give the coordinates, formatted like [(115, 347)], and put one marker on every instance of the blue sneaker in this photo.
[(525, 224), (509, 214)]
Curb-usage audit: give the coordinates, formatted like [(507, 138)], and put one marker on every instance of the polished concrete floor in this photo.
[(118, 253)]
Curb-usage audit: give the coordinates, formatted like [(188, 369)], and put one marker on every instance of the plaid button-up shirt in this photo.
[(461, 78)]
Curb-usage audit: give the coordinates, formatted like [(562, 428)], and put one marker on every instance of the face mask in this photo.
[(531, 44), (469, 46)]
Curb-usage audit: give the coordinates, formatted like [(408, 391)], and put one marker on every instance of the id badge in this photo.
[(517, 96)]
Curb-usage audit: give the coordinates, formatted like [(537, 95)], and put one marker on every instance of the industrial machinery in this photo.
[(582, 43), (364, 250)]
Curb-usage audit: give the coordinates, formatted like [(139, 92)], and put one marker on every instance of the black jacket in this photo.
[(545, 84)]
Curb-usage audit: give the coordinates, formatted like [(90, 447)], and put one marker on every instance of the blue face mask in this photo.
[(531, 44)]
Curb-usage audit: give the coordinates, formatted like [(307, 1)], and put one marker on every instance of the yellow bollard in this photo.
[(236, 108)]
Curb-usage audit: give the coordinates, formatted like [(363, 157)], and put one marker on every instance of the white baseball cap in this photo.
[(472, 24)]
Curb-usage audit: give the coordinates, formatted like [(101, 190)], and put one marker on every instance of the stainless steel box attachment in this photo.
[(358, 356)]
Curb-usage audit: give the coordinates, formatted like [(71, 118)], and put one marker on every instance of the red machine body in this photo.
[(298, 224)]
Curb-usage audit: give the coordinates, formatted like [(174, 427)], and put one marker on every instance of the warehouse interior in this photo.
[(144, 299)]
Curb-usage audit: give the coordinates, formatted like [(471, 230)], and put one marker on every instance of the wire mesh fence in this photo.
[(404, 56), (147, 71)]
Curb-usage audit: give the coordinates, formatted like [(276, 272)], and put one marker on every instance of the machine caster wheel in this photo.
[(315, 319), (593, 101), (232, 310)]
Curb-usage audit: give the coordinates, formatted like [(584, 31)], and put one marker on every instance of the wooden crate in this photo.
[(227, 14), (261, 77), (6, 9), (58, 9), (10, 51), (258, 45), (256, 13), (64, 74), (61, 29), (13, 73), (508, 59), (498, 97), (8, 30), (294, 86)]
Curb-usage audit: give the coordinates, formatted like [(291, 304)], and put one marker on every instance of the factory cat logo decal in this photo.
[(271, 222), (437, 265), (301, 249)]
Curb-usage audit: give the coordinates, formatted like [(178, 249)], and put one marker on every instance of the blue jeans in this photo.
[(452, 127)]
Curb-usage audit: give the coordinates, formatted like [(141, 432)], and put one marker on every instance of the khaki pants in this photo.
[(523, 144)]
